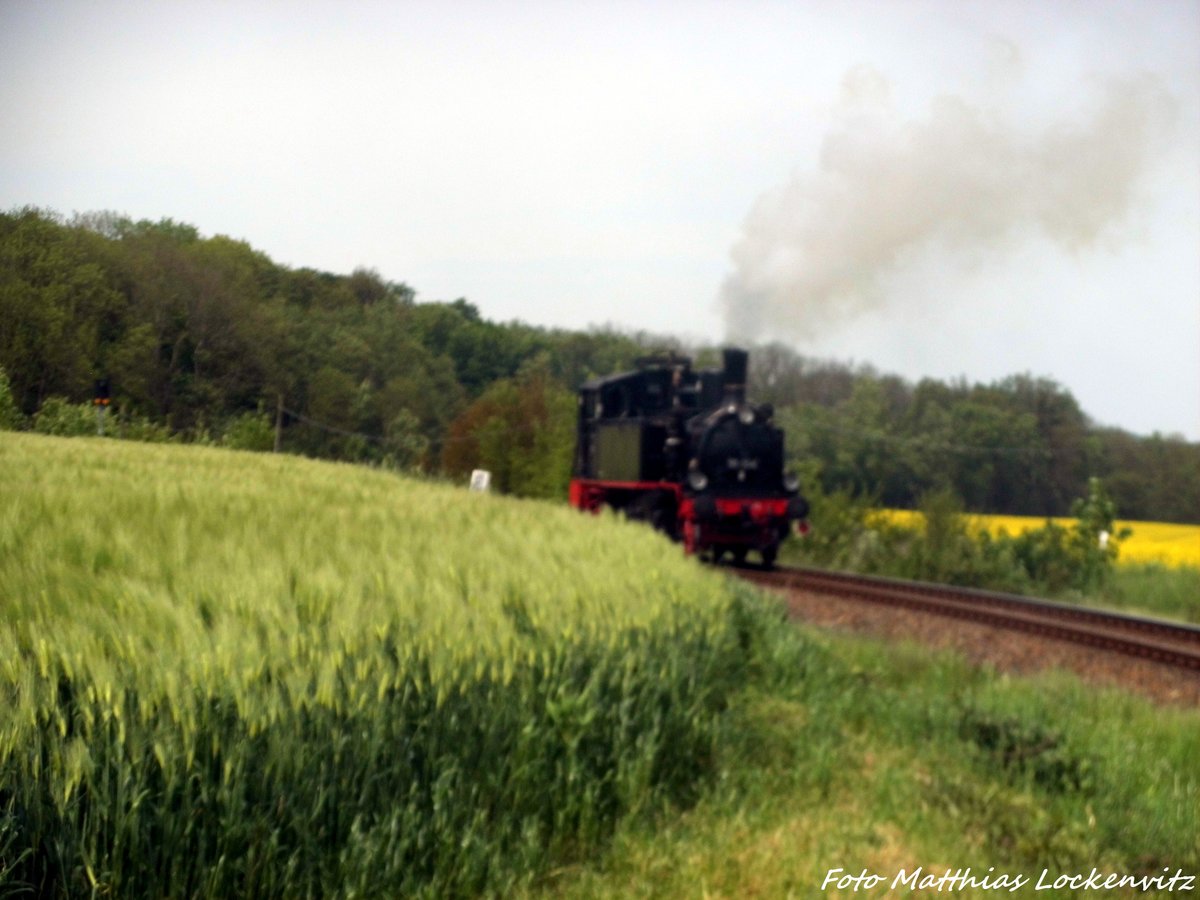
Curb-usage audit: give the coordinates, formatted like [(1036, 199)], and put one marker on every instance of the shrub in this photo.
[(142, 429), (404, 444), (838, 535), (58, 416), (1080, 557), (938, 545), (10, 416), (947, 551), (249, 431)]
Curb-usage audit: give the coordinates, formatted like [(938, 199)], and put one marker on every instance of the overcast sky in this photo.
[(937, 188)]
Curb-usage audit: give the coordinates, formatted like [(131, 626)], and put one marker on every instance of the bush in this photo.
[(947, 551), (10, 416), (1079, 558), (1050, 560), (404, 444), (60, 417), (142, 429), (838, 536), (249, 431)]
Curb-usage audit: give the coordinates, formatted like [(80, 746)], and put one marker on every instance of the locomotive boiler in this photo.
[(685, 451)]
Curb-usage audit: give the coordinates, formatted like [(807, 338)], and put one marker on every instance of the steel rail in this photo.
[(1173, 644)]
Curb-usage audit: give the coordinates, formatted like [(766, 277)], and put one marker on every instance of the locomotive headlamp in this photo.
[(746, 415), (697, 480), (791, 482)]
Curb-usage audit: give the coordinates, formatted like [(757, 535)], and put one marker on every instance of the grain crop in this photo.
[(227, 674)]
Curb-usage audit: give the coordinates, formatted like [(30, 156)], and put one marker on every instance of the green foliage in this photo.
[(1021, 445), (249, 431), (522, 431), (1171, 591), (1046, 553), (945, 544), (59, 417), (56, 298), (1151, 479), (10, 416), (1050, 561), (1079, 558), (1096, 536), (405, 442), (838, 537), (1027, 750), (946, 551), (192, 331), (140, 428), (865, 754)]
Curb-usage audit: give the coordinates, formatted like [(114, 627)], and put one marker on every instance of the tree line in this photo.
[(1020, 446), (209, 340)]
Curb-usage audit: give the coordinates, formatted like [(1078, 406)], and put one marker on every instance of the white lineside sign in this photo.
[(481, 480)]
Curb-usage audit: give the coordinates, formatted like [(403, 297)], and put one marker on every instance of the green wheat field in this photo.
[(227, 674)]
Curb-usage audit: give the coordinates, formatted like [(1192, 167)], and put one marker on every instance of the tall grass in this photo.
[(863, 754), (229, 674), (1154, 589)]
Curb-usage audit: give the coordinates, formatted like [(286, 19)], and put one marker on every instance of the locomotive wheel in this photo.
[(739, 556), (768, 556)]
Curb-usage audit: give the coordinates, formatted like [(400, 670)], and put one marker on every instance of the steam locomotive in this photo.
[(684, 450)]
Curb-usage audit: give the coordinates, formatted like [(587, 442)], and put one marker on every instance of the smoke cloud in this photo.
[(956, 187)]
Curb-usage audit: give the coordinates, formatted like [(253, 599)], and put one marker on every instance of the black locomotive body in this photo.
[(685, 451)]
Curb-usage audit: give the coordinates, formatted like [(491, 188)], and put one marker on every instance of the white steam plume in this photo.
[(964, 181)]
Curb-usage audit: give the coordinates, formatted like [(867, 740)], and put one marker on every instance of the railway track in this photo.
[(1171, 644)]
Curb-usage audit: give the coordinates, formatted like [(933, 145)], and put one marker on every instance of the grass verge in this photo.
[(854, 755), (1153, 589)]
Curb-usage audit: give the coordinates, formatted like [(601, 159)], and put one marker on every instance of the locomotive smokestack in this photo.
[(735, 374)]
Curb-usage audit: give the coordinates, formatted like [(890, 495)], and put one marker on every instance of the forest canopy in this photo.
[(207, 339)]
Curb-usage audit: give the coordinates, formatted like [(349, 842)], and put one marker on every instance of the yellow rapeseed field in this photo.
[(1149, 542)]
